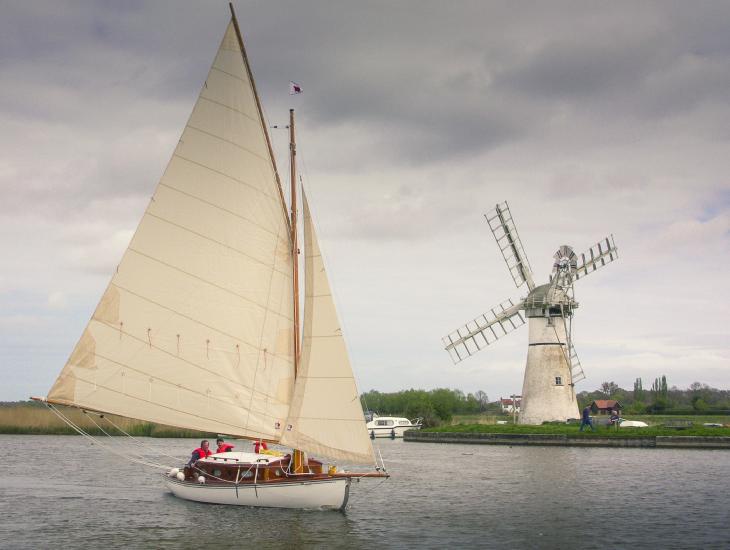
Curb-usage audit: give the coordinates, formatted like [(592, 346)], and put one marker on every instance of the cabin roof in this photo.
[(248, 458)]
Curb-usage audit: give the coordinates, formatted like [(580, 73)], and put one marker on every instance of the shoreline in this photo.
[(565, 440)]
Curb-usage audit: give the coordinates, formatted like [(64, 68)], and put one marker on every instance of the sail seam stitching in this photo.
[(247, 184), (216, 420), (252, 222), (252, 346), (234, 249), (192, 364), (220, 138), (252, 119), (326, 377), (213, 67), (199, 279)]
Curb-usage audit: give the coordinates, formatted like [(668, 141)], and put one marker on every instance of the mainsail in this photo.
[(326, 416), (196, 326)]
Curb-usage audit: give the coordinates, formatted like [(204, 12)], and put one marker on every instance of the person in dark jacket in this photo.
[(586, 420), (614, 419)]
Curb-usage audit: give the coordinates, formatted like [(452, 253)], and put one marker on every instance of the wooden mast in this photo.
[(298, 458), (289, 223), (294, 239)]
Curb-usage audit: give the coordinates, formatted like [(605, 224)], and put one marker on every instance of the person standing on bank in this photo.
[(223, 447), (201, 452), (586, 420)]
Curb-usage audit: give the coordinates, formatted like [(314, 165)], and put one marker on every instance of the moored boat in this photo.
[(391, 426)]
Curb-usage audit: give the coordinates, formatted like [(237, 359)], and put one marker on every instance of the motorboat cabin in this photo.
[(391, 426)]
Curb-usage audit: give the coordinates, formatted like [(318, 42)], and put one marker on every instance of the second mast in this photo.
[(294, 240)]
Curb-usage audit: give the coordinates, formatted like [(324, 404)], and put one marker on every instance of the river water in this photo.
[(61, 490)]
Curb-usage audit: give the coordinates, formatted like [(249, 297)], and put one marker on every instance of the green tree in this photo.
[(638, 390)]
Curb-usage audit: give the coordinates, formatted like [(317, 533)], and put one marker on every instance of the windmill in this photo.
[(553, 367)]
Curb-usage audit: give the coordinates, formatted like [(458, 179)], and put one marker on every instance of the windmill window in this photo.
[(558, 380)]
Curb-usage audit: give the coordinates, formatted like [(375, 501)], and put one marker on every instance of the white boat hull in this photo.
[(325, 494), (390, 431)]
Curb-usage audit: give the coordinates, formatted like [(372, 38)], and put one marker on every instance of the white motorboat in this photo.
[(391, 426)]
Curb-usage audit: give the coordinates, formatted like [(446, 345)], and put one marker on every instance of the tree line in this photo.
[(433, 406), (699, 398), (440, 405)]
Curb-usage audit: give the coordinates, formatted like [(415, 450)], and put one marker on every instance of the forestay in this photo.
[(326, 416), (196, 326)]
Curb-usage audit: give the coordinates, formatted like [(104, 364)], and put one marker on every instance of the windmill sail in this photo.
[(326, 416), (484, 330), (196, 326), (505, 233), (601, 253)]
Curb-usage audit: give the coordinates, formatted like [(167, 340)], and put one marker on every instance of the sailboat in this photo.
[(199, 326)]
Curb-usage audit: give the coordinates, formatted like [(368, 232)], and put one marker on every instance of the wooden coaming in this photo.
[(224, 472)]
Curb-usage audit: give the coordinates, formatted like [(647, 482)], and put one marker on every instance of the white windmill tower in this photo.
[(553, 368)]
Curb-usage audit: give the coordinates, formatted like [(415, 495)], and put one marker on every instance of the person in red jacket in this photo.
[(201, 452), (223, 447), (259, 446)]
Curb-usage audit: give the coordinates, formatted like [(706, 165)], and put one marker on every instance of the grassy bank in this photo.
[(651, 419), (35, 418), (572, 430)]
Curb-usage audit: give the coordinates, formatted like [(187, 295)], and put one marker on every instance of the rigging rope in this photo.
[(136, 440), (140, 456), (88, 436)]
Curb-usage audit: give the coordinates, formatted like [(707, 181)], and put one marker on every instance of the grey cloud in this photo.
[(416, 117)]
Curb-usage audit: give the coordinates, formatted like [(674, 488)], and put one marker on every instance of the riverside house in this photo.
[(605, 406)]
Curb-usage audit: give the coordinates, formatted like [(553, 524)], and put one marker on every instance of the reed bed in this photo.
[(33, 418)]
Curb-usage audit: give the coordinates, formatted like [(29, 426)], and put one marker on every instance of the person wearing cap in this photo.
[(223, 447)]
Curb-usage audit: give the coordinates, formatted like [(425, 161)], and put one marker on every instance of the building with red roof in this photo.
[(605, 406)]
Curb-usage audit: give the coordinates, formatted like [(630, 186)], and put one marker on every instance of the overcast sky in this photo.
[(589, 118)]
